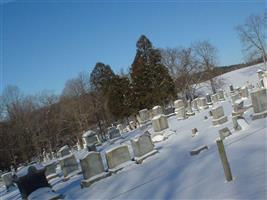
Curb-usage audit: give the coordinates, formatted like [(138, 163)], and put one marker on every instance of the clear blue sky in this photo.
[(44, 43)]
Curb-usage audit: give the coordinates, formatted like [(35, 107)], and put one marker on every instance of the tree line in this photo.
[(31, 123)]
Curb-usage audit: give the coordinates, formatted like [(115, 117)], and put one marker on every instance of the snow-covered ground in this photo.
[(174, 174)]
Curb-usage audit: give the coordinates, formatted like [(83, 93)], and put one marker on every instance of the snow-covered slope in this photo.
[(174, 174)]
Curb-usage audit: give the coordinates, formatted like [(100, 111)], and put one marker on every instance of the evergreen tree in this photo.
[(152, 84), (100, 77), (119, 97)]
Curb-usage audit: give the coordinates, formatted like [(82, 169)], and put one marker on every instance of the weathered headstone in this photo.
[(132, 125), (63, 151), (69, 165), (208, 97), (32, 178), (90, 138), (221, 95), (244, 92), (202, 103), (214, 98), (120, 128), (113, 132), (143, 147), (92, 169), (144, 116), (194, 104), (225, 132), (179, 109), (218, 116), (259, 103), (231, 88), (235, 123), (160, 123), (235, 96), (7, 179), (189, 111), (116, 157), (157, 110), (50, 170)]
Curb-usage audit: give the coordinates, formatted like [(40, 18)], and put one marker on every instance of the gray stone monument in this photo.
[(202, 103), (159, 123), (225, 132), (144, 116), (218, 116), (63, 151), (116, 157), (143, 147), (90, 138), (157, 110), (92, 169), (69, 166), (259, 103)]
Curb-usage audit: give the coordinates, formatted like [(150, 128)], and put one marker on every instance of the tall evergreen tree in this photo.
[(100, 77), (119, 97), (152, 84)]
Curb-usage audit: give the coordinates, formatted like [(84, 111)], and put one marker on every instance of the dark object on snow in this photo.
[(198, 150), (91, 147), (30, 179)]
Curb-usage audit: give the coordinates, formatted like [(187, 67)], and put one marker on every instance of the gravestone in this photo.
[(214, 98), (69, 166), (238, 108), (92, 169), (202, 103), (63, 151), (159, 123), (120, 128), (264, 80), (144, 116), (244, 92), (259, 103), (143, 147), (231, 88), (208, 97), (189, 109), (194, 104), (179, 109), (236, 126), (260, 74), (218, 116), (7, 179), (132, 125), (90, 138), (225, 132), (32, 178), (50, 170), (235, 96), (116, 157), (113, 132), (194, 132), (221, 95), (157, 110)]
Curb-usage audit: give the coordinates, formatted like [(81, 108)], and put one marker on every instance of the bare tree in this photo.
[(253, 36), (182, 66), (206, 55)]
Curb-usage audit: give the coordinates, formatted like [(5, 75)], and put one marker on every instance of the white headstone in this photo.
[(218, 115), (259, 103), (144, 116), (143, 147), (157, 110), (92, 168), (117, 156), (160, 123), (68, 165)]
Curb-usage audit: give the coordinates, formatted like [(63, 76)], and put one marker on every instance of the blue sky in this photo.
[(45, 43)]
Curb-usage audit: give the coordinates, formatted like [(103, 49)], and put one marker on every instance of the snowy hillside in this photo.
[(173, 173)]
